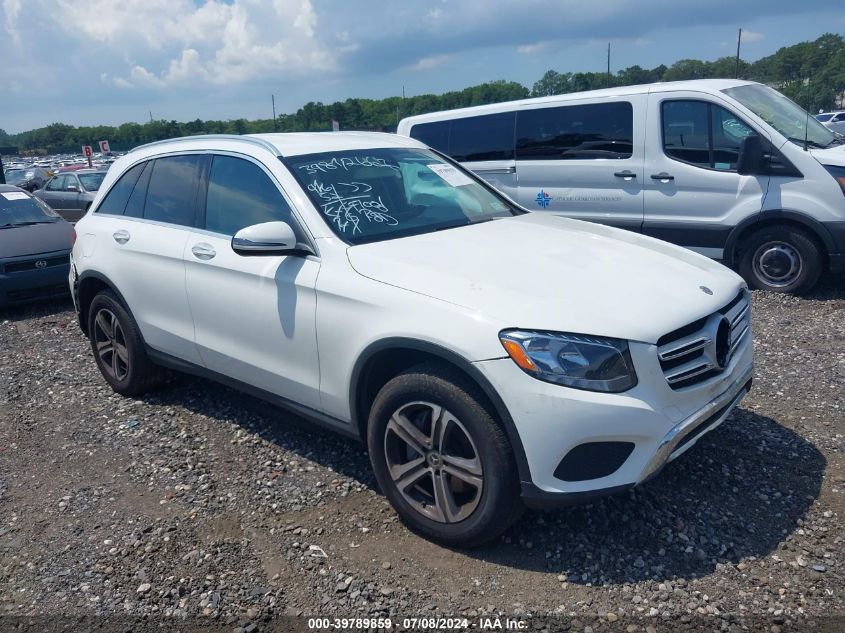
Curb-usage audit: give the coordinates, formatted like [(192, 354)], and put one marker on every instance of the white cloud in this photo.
[(751, 36), (11, 11), (530, 49), (427, 63)]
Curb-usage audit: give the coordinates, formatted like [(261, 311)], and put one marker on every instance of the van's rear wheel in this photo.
[(781, 259), (441, 459)]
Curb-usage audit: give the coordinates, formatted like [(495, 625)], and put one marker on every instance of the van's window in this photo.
[(369, 195), (115, 201), (240, 194), (576, 132), (434, 135), (135, 206), (702, 134), (783, 114), (172, 191), (487, 137)]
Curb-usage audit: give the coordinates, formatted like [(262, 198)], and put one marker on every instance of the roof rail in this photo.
[(215, 137)]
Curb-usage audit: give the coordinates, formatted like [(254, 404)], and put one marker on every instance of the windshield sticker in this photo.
[(450, 174), (15, 195), (346, 204), (345, 163)]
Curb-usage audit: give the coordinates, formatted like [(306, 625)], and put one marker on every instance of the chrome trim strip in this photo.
[(676, 435), (688, 347)]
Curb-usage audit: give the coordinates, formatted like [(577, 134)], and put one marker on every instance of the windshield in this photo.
[(14, 176), (91, 182), (378, 194), (18, 208), (783, 114)]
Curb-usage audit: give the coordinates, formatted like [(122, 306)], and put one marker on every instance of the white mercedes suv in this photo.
[(489, 357)]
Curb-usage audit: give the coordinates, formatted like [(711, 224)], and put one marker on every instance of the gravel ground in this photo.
[(200, 506)]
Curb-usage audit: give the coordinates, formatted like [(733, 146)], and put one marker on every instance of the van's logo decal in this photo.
[(706, 290), (543, 199)]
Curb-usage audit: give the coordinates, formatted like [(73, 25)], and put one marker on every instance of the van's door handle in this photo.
[(662, 176), (495, 170), (121, 236), (627, 174), (203, 251)]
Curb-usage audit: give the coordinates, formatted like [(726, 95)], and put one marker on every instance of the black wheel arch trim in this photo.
[(455, 359), (93, 274), (770, 216)]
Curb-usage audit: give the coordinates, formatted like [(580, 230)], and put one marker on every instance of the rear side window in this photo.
[(135, 206), (576, 132), (115, 200), (57, 184), (702, 134), (434, 135), (172, 191), (488, 137), (240, 194)]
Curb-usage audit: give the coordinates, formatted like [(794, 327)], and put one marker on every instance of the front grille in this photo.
[(702, 349), (32, 264)]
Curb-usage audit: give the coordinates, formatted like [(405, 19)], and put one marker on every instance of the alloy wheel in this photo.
[(433, 462), (110, 344)]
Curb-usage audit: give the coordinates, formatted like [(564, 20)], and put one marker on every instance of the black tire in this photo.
[(129, 372), (494, 505), (781, 259)]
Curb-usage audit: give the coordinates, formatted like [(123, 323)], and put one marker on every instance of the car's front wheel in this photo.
[(441, 458), (118, 347)]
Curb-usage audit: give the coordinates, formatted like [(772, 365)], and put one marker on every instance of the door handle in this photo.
[(496, 170), (662, 176), (627, 174), (203, 251), (121, 236)]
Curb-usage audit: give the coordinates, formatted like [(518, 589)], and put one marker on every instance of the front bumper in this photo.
[(23, 286), (658, 422)]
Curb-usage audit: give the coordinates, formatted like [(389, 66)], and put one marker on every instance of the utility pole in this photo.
[(273, 98), (608, 64), (151, 116), (738, 41)]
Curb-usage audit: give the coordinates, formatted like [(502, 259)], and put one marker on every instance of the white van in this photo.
[(731, 169)]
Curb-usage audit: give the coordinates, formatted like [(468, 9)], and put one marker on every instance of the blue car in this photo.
[(35, 245)]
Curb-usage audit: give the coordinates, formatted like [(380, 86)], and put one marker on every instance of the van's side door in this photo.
[(693, 195), (583, 159), (254, 316)]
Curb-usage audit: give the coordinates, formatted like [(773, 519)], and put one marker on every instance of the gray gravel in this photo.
[(199, 504)]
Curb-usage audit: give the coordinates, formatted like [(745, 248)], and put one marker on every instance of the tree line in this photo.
[(821, 61)]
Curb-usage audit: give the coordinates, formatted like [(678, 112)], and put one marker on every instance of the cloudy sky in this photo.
[(110, 61)]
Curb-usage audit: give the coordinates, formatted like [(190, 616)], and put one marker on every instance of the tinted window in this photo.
[(135, 206), (702, 134), (601, 130), (488, 137), (434, 135), (116, 198), (240, 194), (172, 191), (57, 184)]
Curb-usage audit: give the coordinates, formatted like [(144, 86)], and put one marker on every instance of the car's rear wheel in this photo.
[(118, 347), (781, 259), (440, 457)]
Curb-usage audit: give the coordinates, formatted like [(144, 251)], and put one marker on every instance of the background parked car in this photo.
[(834, 121), (30, 179), (71, 193), (34, 247)]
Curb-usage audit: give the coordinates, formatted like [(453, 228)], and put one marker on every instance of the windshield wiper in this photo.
[(800, 141)]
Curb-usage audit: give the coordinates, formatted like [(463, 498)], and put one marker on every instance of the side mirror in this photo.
[(751, 161), (267, 238)]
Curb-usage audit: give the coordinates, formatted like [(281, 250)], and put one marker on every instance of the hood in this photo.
[(831, 156), (35, 239), (544, 272)]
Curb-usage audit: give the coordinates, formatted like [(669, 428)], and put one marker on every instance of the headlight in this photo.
[(838, 173), (573, 360)]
